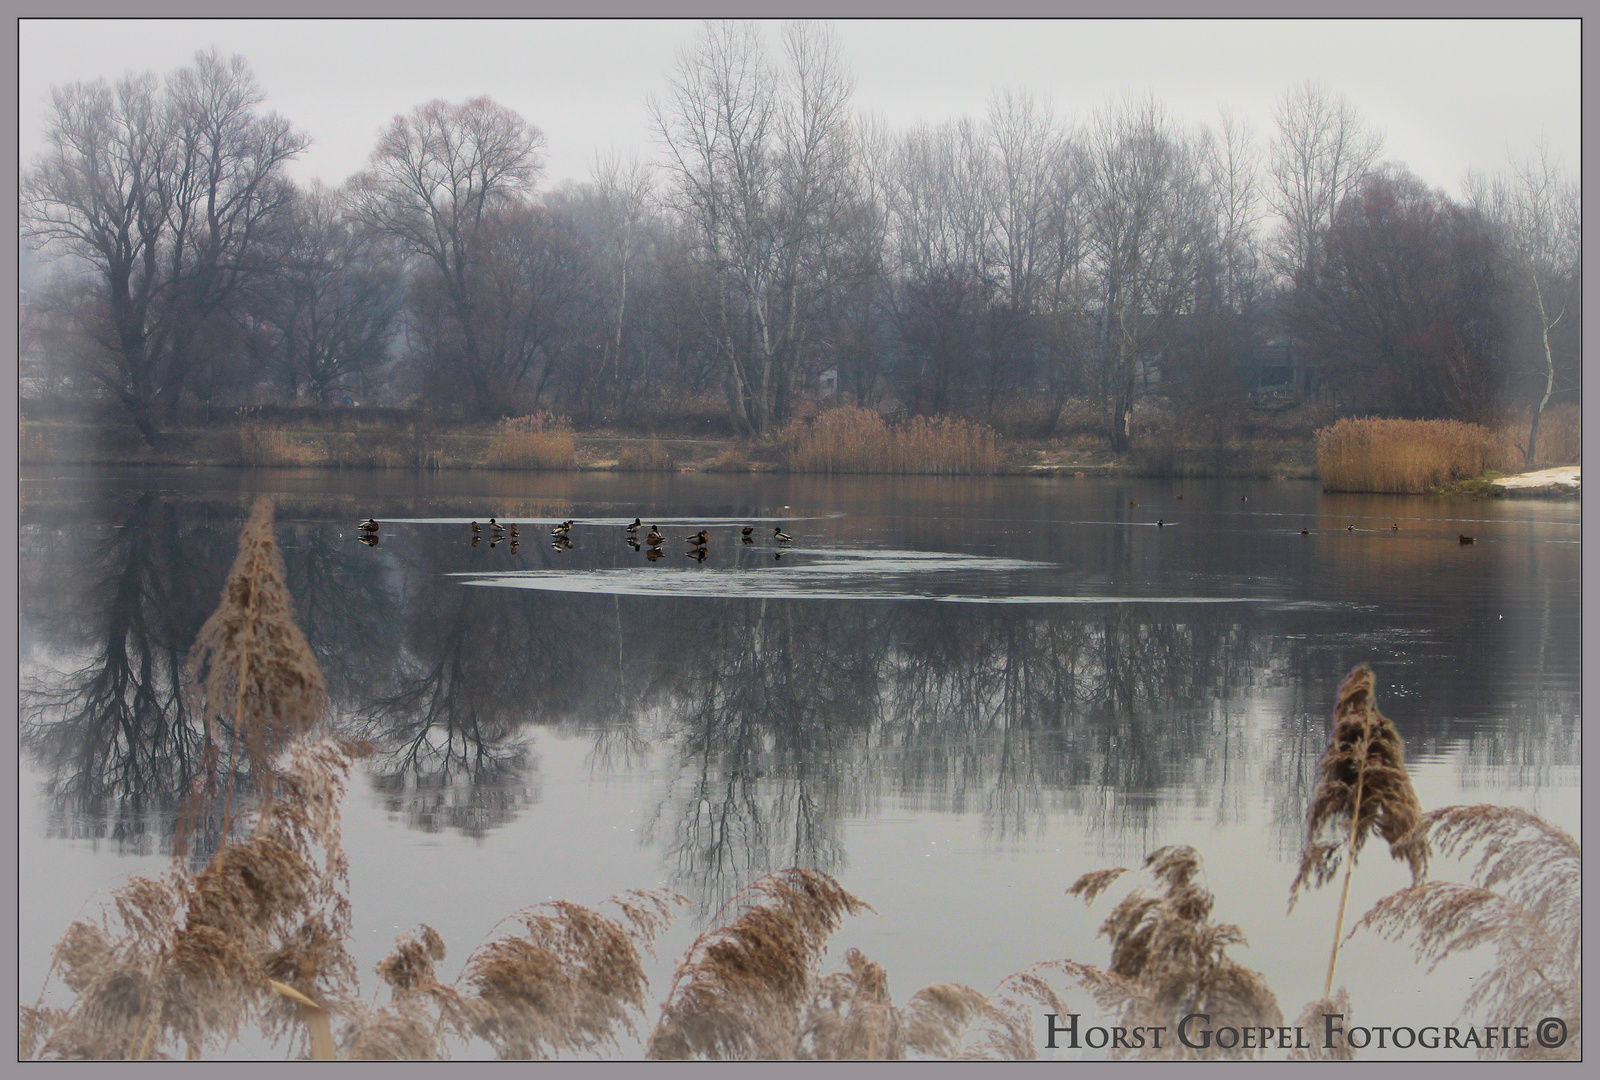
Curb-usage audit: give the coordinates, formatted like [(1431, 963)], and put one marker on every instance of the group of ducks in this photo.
[(497, 533), (697, 542)]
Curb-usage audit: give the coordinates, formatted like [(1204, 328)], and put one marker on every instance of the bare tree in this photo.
[(758, 159), (438, 177), (1536, 211), (333, 305), (1319, 155), (168, 196), (1145, 220)]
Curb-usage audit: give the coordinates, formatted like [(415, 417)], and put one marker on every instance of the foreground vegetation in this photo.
[(251, 926)]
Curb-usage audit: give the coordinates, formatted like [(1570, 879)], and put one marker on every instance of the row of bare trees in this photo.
[(997, 266)]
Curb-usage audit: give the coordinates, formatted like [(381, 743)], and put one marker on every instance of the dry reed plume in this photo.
[(741, 989), (537, 441), (855, 440), (1404, 456), (1168, 959), (1524, 899), (184, 960), (1362, 788), (1311, 1023), (250, 661)]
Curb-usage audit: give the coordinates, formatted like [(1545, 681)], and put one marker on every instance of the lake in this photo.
[(954, 695)]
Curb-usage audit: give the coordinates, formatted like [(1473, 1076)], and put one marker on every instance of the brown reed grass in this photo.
[(187, 958), (1168, 959), (1312, 1044), (250, 662), (538, 441), (741, 989), (1362, 788), (1404, 456), (262, 445), (849, 439), (1523, 898), (653, 456), (1560, 437)]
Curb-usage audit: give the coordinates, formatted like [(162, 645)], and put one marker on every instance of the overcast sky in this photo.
[(1448, 95)]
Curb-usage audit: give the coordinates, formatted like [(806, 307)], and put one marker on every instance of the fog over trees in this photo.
[(781, 247)]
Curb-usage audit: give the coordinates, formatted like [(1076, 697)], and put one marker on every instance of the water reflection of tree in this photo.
[(115, 736)]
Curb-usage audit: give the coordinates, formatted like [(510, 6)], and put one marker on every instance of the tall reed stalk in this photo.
[(1362, 788)]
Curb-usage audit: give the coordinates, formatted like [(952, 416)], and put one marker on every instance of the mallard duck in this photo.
[(655, 539), (1395, 527), (1349, 528), (1131, 504), (475, 527), (698, 554), (562, 529), (496, 526), (369, 526), (780, 536), (698, 539), (1305, 532), (746, 531), (1160, 524), (513, 529), (633, 528), (1465, 539)]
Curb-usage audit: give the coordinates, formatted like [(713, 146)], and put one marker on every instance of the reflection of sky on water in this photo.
[(595, 723)]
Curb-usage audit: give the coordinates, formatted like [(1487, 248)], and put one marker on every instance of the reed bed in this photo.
[(262, 445), (855, 440), (1560, 437), (538, 441), (1405, 457), (653, 456)]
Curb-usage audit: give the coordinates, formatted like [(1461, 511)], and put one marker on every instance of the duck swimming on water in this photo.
[(698, 539), (369, 526), (655, 537), (780, 536)]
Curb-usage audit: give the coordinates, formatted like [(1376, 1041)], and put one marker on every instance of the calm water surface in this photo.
[(954, 695)]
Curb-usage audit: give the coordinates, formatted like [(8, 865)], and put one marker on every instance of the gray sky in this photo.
[(1447, 94)]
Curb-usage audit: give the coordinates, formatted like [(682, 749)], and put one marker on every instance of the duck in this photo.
[(1180, 498), (698, 539), (562, 529), (369, 526), (1465, 539), (1349, 528), (655, 538), (1160, 524), (476, 540), (698, 554), (475, 528), (746, 531), (513, 530), (1395, 527), (496, 526), (1305, 532), (633, 528), (780, 536), (1132, 504)]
